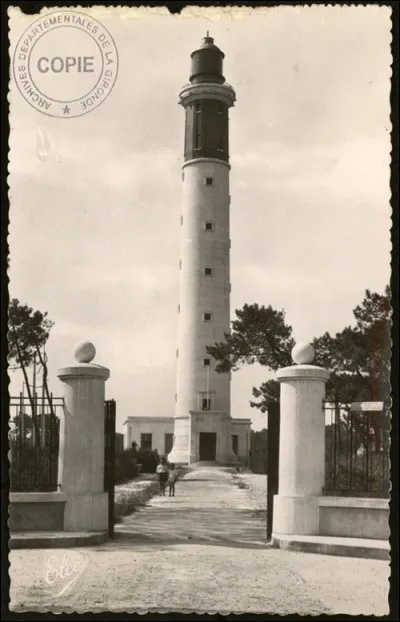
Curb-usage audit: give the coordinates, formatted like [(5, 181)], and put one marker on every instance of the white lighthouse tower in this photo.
[(202, 423)]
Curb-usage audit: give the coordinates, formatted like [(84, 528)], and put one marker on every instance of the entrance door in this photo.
[(208, 446)]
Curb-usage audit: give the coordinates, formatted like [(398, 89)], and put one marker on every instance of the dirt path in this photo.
[(202, 551), (209, 505)]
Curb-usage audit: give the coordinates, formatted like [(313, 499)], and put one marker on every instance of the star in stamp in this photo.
[(65, 64)]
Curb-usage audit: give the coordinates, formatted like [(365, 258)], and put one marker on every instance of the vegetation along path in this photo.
[(203, 550)]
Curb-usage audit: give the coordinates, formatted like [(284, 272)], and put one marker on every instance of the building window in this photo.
[(206, 403), (180, 264), (235, 444), (168, 442), (181, 220), (146, 441), (197, 127), (220, 109), (206, 362), (177, 353), (209, 181), (176, 397), (207, 317), (207, 271), (208, 226)]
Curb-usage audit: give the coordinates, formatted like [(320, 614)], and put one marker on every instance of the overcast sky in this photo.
[(96, 200)]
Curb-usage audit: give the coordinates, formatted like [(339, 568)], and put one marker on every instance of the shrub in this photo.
[(148, 460), (126, 466)]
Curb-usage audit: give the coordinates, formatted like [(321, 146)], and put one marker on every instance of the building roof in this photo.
[(149, 419)]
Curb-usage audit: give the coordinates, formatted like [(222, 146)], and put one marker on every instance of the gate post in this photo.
[(81, 458), (301, 445)]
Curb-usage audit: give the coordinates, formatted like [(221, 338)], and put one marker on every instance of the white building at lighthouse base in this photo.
[(212, 437)]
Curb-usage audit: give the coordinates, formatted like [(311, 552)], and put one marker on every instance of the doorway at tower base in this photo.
[(204, 436)]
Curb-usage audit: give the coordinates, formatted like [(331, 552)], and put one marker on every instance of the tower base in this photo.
[(179, 453), (178, 457), (203, 437)]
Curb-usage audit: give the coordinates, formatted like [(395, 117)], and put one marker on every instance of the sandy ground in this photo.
[(202, 550)]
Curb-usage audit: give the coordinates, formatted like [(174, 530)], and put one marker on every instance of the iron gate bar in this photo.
[(367, 461), (272, 462), (350, 471), (109, 461)]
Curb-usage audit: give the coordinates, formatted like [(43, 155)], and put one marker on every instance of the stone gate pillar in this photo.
[(81, 457), (301, 445)]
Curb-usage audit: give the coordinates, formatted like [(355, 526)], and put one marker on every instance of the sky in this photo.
[(95, 201)]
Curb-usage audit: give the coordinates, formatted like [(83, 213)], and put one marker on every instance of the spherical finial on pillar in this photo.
[(303, 353), (84, 352)]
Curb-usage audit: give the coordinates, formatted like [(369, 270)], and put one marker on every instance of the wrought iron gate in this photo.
[(34, 442), (274, 418), (357, 446), (109, 460)]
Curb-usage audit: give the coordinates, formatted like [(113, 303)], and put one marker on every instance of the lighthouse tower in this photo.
[(202, 422)]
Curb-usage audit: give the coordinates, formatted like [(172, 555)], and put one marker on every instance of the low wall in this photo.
[(36, 511), (354, 517)]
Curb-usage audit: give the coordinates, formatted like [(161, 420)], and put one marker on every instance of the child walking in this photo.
[(172, 477), (162, 472)]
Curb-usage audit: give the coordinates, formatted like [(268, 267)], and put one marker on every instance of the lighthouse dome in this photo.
[(207, 63)]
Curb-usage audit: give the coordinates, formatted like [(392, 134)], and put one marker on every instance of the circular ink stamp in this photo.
[(65, 64)]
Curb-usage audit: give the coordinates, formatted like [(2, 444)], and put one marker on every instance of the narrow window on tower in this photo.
[(220, 135), (206, 403), (220, 141), (181, 220), (209, 181), (197, 126), (206, 362), (180, 264), (208, 226), (207, 271), (207, 317)]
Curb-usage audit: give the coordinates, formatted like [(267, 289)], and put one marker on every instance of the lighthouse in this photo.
[(202, 423)]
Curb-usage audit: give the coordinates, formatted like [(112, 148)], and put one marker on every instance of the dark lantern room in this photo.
[(207, 63)]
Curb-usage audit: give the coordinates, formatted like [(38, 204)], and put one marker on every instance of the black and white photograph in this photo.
[(200, 309)]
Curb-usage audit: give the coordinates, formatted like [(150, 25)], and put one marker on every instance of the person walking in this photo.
[(172, 477), (162, 472)]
